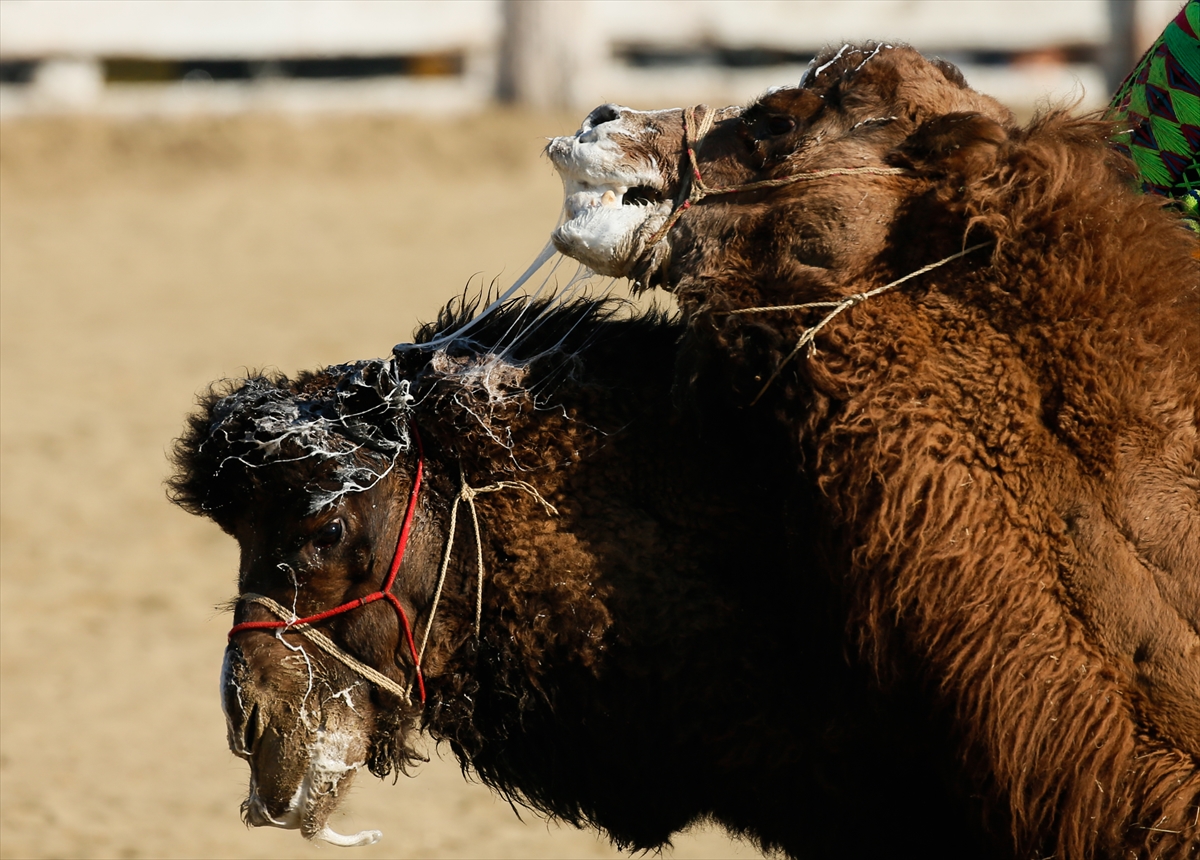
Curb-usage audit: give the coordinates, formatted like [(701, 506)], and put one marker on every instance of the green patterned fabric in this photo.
[(1160, 100)]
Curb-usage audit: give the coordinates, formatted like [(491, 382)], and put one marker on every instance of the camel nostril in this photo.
[(601, 115), (252, 731)]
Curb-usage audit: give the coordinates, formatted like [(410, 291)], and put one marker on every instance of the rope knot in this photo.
[(808, 336)]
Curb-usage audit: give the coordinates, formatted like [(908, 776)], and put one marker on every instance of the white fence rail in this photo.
[(137, 56)]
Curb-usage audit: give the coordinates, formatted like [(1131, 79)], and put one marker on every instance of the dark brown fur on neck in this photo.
[(663, 651)]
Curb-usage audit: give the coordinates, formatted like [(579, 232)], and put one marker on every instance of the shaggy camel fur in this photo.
[(1006, 446), (649, 656)]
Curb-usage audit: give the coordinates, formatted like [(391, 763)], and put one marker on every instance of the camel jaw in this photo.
[(601, 231), (330, 768), (612, 187), (301, 758)]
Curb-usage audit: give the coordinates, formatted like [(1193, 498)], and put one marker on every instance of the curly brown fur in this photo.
[(652, 656), (1007, 448), (1011, 452)]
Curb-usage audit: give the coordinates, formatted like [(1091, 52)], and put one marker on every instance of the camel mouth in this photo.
[(611, 200), (582, 196), (606, 222), (642, 195), (588, 203), (330, 769), (257, 816)]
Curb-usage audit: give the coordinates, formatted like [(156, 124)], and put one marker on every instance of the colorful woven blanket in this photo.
[(1160, 101)]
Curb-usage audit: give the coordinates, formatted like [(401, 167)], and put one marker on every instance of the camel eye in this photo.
[(328, 535), (778, 125)]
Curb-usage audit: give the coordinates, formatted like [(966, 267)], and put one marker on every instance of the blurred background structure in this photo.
[(184, 56)]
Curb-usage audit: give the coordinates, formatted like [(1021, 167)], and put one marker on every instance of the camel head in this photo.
[(313, 479), (804, 186)]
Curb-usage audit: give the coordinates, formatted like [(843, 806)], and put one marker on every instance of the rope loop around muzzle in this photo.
[(312, 634), (288, 620), (698, 189)]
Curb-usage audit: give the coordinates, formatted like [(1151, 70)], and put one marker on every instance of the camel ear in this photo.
[(951, 73), (956, 143)]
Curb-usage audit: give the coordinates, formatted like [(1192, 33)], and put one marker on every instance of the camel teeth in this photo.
[(609, 199)]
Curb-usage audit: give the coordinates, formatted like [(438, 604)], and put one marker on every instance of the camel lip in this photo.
[(614, 195), (315, 797), (257, 814), (605, 210), (605, 236), (580, 196), (596, 167)]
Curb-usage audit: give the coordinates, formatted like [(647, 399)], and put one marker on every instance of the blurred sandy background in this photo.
[(141, 260)]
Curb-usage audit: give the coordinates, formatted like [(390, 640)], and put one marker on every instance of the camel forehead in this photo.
[(337, 433)]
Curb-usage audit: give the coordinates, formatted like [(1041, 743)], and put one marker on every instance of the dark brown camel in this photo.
[(650, 655), (1006, 445)]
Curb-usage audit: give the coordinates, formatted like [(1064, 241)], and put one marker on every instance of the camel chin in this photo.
[(613, 199), (302, 756), (601, 232), (333, 759)]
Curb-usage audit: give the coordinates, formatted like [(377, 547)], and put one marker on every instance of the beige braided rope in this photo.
[(809, 334), (329, 646), (467, 494)]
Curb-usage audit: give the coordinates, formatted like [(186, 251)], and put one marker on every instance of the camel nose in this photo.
[(593, 125)]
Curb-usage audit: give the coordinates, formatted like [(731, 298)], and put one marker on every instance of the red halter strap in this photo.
[(384, 593)]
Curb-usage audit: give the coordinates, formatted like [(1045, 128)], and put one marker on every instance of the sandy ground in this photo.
[(138, 262)]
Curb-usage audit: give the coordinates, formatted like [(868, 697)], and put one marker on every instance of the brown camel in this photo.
[(985, 347), (629, 642)]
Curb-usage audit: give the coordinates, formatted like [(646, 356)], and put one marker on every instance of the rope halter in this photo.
[(289, 622), (698, 189), (304, 626)]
